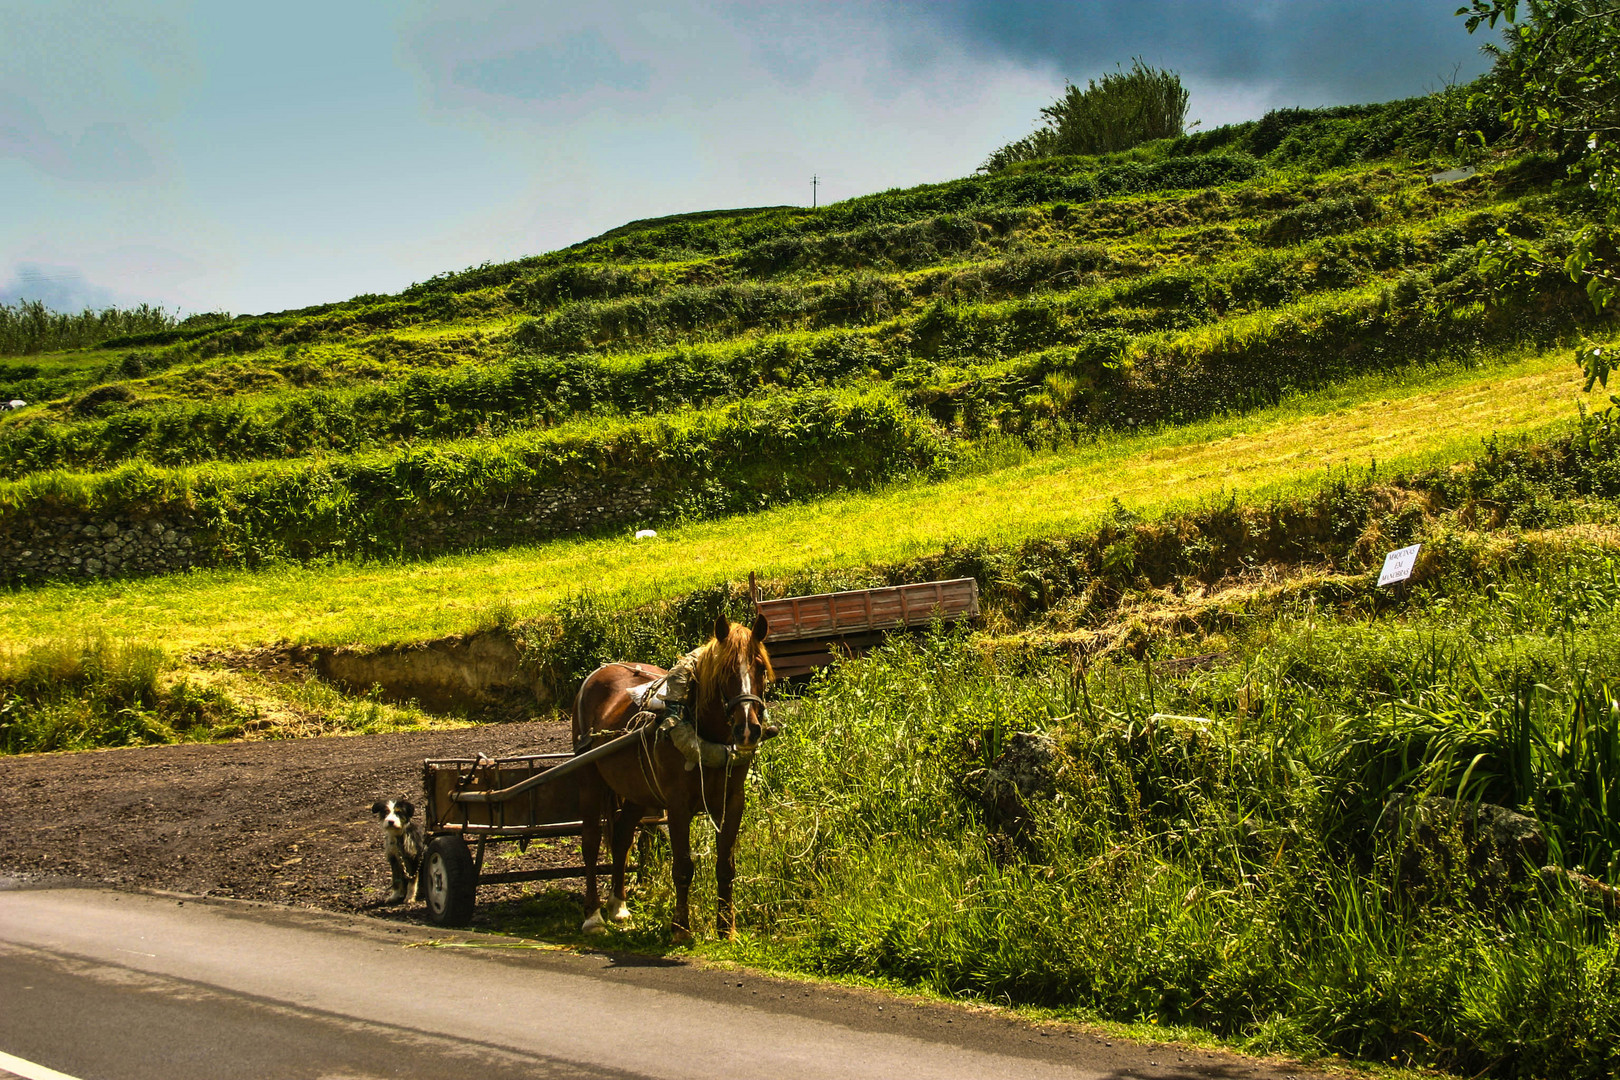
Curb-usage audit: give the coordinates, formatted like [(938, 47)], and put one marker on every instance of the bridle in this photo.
[(742, 699)]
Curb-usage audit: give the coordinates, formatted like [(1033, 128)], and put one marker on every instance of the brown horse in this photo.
[(727, 709)]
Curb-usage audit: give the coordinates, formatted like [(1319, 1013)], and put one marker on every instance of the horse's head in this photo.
[(731, 678)]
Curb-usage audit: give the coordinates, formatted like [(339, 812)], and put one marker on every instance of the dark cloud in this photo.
[(60, 288), (1313, 51), (570, 67), (101, 151)]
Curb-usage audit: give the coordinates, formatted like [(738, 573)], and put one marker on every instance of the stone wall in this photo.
[(538, 515), (47, 546), (82, 546)]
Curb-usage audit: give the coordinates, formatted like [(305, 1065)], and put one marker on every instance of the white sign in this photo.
[(1398, 565)]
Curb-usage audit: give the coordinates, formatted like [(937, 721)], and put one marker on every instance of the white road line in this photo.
[(28, 1070)]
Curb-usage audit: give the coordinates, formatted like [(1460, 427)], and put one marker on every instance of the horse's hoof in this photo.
[(594, 924), (680, 935), (393, 898), (620, 913)]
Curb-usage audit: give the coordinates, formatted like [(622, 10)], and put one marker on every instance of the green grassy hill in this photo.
[(719, 363), (891, 349), (1169, 407)]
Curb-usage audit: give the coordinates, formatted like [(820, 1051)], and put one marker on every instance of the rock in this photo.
[(1025, 772), (1499, 845)]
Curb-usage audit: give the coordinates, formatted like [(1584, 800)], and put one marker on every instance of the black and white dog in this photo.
[(402, 843)]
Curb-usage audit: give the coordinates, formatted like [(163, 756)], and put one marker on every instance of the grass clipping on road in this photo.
[(1291, 446)]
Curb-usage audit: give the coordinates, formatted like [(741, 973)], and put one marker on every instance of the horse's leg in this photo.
[(725, 862), (680, 847), (624, 831), (591, 790)]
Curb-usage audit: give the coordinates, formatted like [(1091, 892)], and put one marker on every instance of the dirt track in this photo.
[(283, 821)]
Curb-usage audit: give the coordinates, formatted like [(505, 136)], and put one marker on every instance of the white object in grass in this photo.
[(646, 534), (1398, 565)]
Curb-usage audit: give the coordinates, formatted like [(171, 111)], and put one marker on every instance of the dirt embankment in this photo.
[(284, 821)]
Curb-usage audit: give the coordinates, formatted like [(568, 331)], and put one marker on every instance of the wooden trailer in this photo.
[(806, 632)]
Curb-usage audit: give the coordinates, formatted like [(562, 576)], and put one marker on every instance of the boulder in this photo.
[(1498, 845), (1025, 772)]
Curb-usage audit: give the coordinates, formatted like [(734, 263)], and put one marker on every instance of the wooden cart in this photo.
[(473, 803), (806, 632)]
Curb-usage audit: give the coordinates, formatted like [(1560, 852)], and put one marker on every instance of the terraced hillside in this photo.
[(721, 363)]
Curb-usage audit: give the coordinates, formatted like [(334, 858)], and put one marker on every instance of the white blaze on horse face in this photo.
[(745, 675)]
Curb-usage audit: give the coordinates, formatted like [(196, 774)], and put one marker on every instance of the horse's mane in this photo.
[(721, 654)]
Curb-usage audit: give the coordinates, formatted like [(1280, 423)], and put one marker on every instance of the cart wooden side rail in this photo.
[(481, 801), (806, 631)]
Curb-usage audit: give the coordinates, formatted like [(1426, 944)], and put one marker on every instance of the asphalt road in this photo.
[(103, 985)]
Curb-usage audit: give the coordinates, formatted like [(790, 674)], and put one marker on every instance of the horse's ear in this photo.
[(762, 626), (722, 628)]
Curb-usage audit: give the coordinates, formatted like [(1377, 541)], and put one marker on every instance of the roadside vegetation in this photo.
[(95, 692), (1286, 848), (1268, 798)]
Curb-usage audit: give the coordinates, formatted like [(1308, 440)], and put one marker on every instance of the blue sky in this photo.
[(226, 156)]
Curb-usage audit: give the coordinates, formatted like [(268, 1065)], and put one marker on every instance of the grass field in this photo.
[(1395, 422)]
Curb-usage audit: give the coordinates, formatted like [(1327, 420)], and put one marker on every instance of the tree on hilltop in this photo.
[(1116, 112)]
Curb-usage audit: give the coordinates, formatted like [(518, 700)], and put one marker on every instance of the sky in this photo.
[(255, 157)]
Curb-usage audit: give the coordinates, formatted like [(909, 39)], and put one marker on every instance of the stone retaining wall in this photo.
[(539, 515), (127, 545), (80, 546)]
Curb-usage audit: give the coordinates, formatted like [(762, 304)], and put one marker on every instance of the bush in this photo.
[(31, 327), (739, 458), (76, 695), (1122, 110), (1207, 851)]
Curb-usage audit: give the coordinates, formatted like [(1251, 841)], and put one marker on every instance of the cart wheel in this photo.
[(450, 880)]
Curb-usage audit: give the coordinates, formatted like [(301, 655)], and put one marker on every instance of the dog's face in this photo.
[(395, 813)]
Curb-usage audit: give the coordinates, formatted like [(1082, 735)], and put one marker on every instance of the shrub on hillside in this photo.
[(1116, 112), (739, 458), (73, 695)]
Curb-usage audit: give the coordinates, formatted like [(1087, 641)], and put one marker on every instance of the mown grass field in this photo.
[(1397, 423)]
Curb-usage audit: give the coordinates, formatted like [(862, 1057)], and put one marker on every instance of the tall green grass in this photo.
[(1214, 849), (31, 327), (73, 694)]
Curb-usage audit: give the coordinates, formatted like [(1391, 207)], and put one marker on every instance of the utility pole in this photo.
[(815, 182)]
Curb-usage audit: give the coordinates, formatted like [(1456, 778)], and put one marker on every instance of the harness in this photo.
[(667, 727)]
